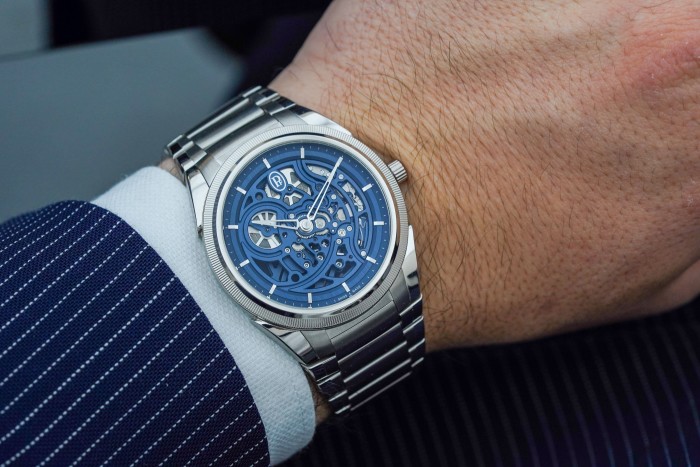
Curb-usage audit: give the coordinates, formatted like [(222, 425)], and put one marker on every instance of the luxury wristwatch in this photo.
[(307, 230)]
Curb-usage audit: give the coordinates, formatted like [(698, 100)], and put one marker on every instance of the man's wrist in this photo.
[(323, 410), (169, 165)]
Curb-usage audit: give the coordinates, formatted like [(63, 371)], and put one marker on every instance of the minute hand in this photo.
[(324, 189)]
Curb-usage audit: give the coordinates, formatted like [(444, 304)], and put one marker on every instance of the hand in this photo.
[(313, 210), (564, 135), (292, 224)]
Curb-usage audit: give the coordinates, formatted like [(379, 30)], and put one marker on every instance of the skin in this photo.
[(553, 151)]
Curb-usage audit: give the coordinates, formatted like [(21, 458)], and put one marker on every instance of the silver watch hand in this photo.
[(292, 224), (324, 189)]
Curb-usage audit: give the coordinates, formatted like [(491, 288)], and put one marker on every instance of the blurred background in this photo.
[(91, 90)]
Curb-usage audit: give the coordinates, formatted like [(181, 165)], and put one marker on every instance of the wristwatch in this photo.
[(307, 230)]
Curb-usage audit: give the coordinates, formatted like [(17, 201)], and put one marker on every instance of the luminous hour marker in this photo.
[(241, 190), (232, 227), (267, 164), (310, 298), (345, 286), (378, 222), (302, 152), (248, 261), (371, 260), (272, 289), (367, 187)]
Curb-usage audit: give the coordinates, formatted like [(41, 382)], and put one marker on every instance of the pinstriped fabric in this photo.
[(105, 359), (622, 395)]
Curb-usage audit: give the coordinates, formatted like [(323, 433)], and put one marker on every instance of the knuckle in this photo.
[(661, 46)]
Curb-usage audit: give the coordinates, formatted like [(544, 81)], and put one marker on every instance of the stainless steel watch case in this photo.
[(265, 310)]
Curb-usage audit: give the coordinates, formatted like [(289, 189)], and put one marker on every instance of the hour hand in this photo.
[(292, 224)]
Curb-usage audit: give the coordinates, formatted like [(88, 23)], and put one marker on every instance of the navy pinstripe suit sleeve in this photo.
[(105, 359)]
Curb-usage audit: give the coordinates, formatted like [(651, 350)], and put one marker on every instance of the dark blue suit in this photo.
[(104, 356)]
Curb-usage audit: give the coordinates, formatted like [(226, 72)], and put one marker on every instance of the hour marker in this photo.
[(241, 190), (371, 260), (267, 164), (232, 227), (302, 152), (345, 286), (310, 298), (367, 187), (248, 261), (378, 222), (272, 289)]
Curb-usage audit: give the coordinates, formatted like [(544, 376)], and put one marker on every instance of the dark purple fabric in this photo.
[(621, 395)]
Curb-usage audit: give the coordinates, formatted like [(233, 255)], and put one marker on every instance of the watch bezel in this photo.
[(266, 309)]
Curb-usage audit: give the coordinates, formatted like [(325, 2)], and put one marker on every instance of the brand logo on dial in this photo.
[(277, 181)]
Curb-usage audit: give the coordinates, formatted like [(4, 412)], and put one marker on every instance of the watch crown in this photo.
[(398, 170)]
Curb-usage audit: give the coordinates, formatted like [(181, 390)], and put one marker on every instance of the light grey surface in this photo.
[(23, 26), (75, 121)]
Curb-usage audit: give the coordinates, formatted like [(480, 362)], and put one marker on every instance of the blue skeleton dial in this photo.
[(306, 225)]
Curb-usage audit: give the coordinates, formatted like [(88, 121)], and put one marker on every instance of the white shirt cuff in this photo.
[(158, 207)]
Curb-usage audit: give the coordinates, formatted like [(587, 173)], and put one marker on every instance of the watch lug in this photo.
[(198, 190), (198, 168), (410, 264), (315, 118), (294, 341), (405, 289)]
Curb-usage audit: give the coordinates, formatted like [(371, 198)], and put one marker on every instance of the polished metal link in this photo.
[(354, 362), (364, 364), (378, 350), (251, 113)]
